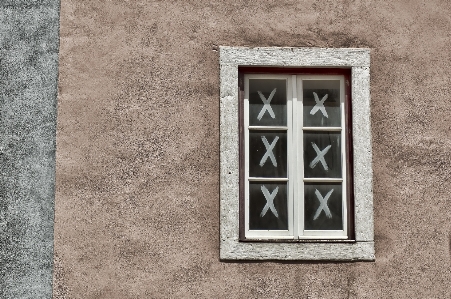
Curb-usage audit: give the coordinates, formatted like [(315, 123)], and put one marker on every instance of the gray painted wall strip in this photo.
[(29, 42)]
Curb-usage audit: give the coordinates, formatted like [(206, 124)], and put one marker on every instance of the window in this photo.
[(296, 177), (295, 142)]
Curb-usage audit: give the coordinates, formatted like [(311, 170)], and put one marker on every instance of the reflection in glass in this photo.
[(323, 206), (268, 154), (268, 206), (321, 100), (322, 155), (267, 102)]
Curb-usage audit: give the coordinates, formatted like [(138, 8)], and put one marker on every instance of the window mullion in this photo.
[(293, 158), (300, 156)]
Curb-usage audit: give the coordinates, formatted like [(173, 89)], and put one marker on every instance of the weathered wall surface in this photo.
[(137, 194), (28, 90)]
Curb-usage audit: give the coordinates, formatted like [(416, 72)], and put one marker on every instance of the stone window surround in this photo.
[(362, 248)]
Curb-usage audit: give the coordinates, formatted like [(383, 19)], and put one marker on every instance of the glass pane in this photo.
[(323, 206), (322, 154), (322, 103), (268, 154), (267, 102), (268, 206)]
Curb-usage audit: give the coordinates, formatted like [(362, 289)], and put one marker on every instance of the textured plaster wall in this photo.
[(28, 89), (137, 180)]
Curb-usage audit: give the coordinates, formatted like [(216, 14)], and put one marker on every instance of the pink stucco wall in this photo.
[(137, 181)]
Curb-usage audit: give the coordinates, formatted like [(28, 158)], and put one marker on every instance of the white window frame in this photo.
[(295, 179), (231, 248)]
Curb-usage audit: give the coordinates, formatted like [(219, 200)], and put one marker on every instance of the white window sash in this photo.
[(295, 172), (269, 234), (299, 121)]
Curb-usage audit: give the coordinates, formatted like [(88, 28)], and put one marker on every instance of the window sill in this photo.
[(313, 251)]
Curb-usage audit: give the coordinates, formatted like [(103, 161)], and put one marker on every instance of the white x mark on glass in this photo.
[(269, 153), (323, 204), (266, 105), (269, 201), (319, 105), (320, 156)]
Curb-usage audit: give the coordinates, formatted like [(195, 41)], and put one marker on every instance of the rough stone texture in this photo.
[(229, 159), (137, 194), (362, 151), (230, 247), (358, 251), (28, 89), (286, 56)]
